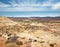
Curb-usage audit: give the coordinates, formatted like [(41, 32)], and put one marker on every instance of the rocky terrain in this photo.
[(29, 32)]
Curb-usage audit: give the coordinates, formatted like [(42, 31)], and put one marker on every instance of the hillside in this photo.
[(28, 32)]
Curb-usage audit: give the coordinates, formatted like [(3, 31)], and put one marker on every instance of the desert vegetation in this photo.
[(29, 32)]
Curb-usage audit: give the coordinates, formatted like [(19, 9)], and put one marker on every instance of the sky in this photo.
[(30, 8)]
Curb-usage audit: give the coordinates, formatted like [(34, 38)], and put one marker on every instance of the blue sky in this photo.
[(29, 8)]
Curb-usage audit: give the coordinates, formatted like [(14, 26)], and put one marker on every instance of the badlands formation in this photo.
[(14, 34)]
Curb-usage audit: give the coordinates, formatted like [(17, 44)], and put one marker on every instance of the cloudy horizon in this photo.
[(29, 8)]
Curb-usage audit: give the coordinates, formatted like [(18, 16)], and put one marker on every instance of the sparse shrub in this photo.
[(11, 45), (0, 35), (30, 40), (9, 34), (7, 42), (19, 42), (35, 40), (51, 45), (13, 38), (42, 42)]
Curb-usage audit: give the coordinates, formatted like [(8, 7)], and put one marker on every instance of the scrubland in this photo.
[(29, 32)]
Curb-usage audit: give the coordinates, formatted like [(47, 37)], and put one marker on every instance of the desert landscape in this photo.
[(29, 32)]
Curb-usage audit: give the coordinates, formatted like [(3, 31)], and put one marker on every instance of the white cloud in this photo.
[(23, 6), (29, 5), (46, 3), (13, 3), (22, 9), (21, 3), (56, 6), (4, 5)]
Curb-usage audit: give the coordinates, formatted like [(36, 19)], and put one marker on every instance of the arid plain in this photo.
[(29, 32)]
